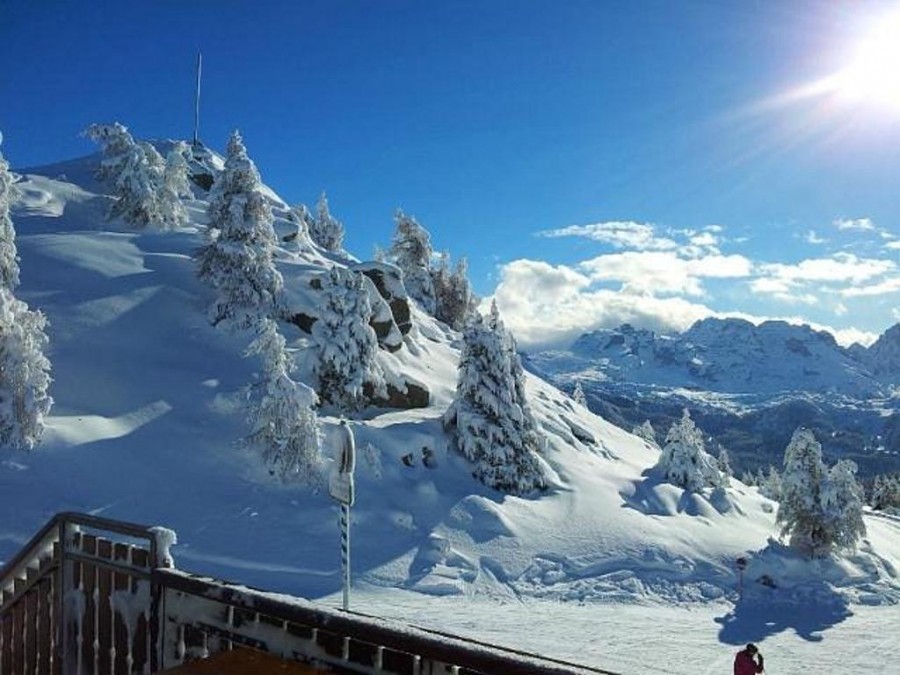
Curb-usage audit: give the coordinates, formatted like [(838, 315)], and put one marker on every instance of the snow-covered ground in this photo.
[(609, 567)]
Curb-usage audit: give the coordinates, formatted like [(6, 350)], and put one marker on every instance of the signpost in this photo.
[(340, 487), (741, 564)]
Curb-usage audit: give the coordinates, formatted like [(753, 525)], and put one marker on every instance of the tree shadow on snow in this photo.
[(783, 592)]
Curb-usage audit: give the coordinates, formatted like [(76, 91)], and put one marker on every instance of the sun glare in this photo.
[(873, 75)]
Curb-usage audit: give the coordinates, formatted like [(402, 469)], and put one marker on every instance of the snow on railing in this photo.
[(78, 598), (92, 595)]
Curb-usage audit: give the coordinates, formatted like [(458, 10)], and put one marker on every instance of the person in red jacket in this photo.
[(748, 661)]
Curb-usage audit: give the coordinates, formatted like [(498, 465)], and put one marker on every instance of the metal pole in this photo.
[(197, 101), (345, 554)]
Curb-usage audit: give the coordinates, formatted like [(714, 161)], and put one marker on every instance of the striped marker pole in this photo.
[(345, 552)]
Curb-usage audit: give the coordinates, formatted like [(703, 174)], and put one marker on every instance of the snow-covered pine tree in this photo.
[(24, 369), (684, 460), (283, 422), (819, 509), (770, 484), (9, 256), (238, 258), (647, 432), (24, 373), (495, 429), (138, 174), (326, 230), (842, 505), (411, 251), (885, 493), (578, 394), (346, 368), (454, 300), (115, 142), (723, 462), (177, 171)]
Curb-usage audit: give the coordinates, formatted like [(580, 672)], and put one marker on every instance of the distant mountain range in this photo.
[(748, 386)]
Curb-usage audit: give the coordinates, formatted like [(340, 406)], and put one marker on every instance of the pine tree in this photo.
[(9, 256), (411, 251), (177, 172), (647, 432), (238, 258), (453, 297), (139, 176), (842, 505), (24, 369), (684, 460), (820, 509), (326, 230), (723, 463), (495, 429), (578, 395), (116, 144), (770, 484), (346, 365), (284, 425), (24, 373), (885, 493)]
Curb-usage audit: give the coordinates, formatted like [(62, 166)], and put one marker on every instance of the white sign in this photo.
[(340, 487), (340, 482)]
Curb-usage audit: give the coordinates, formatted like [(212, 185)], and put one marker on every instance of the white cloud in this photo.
[(548, 306), (884, 288), (839, 268), (664, 272), (812, 237), (621, 234), (862, 224), (893, 245), (538, 320)]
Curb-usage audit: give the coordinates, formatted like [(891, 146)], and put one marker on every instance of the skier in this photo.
[(748, 661)]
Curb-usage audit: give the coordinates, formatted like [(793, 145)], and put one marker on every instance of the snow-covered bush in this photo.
[(494, 427), (9, 257), (283, 422), (24, 373), (684, 460), (819, 509), (346, 368), (411, 251), (326, 230), (238, 258)]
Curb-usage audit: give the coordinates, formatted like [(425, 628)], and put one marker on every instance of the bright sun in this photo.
[(873, 75)]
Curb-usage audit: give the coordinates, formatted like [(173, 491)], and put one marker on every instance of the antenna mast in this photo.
[(197, 101)]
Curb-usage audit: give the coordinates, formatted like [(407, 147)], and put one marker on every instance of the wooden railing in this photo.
[(79, 598), (89, 595)]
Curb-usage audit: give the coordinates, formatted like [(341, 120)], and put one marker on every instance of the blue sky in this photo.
[(596, 162)]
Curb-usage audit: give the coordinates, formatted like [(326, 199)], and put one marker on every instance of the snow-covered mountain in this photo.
[(747, 384), (149, 412)]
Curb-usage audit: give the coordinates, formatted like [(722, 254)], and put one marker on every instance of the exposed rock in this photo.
[(415, 396), (388, 281)]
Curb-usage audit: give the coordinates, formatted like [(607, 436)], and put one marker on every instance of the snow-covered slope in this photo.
[(148, 413)]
